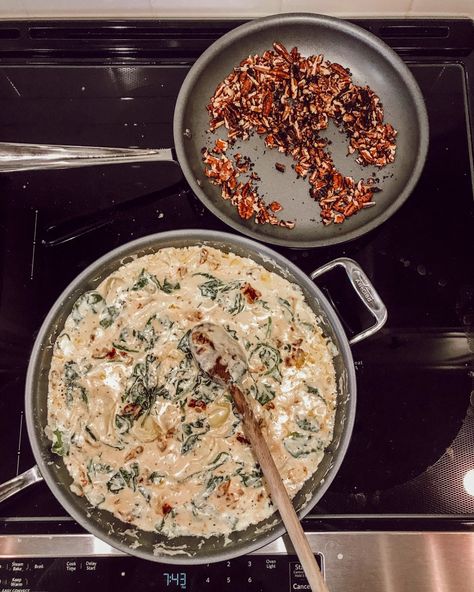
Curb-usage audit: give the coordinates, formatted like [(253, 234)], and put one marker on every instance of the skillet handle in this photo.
[(28, 157), (365, 290), (19, 482)]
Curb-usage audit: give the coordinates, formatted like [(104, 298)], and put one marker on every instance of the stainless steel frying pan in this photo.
[(370, 61), (155, 546)]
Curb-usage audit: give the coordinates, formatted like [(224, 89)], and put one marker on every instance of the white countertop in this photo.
[(220, 9)]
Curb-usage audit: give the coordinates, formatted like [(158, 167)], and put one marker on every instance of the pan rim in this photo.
[(303, 18), (193, 236)]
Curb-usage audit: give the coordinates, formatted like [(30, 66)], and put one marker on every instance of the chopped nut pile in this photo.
[(288, 99)]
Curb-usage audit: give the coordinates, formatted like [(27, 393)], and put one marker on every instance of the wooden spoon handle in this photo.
[(278, 492)]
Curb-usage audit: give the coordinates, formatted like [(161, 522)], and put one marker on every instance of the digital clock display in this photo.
[(175, 580)]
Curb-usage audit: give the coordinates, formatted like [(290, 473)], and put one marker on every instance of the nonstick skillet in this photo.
[(370, 61), (155, 546)]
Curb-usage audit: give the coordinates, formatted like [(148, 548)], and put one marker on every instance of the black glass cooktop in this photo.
[(413, 439)]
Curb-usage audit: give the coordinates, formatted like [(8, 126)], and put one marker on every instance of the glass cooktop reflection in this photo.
[(414, 432)]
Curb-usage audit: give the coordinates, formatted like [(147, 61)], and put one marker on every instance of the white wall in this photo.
[(229, 8)]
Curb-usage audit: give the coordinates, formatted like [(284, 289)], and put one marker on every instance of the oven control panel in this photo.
[(252, 573)]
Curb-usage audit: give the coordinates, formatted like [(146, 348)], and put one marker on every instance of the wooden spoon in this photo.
[(222, 358)]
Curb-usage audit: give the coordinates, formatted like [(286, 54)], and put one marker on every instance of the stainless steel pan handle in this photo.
[(19, 482), (365, 290), (27, 157)]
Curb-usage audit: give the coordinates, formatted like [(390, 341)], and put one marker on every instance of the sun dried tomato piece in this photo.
[(250, 293), (197, 404)]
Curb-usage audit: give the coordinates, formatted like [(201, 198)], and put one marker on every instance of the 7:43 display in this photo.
[(175, 580)]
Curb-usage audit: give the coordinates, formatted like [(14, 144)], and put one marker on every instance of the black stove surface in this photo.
[(413, 440)]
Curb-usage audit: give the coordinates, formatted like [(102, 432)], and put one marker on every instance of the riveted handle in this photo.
[(365, 290)]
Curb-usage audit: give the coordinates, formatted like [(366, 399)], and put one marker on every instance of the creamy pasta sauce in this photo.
[(150, 438)]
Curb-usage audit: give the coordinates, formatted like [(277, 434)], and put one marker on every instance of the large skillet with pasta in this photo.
[(152, 545)]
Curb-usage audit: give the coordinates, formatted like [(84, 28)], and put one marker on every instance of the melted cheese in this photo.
[(148, 437)]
